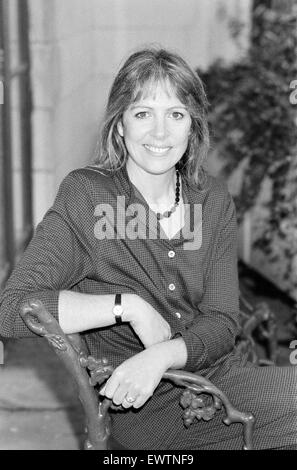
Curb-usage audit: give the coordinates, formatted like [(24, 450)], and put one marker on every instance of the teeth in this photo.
[(157, 149)]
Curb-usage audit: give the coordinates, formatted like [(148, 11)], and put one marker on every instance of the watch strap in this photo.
[(118, 309)]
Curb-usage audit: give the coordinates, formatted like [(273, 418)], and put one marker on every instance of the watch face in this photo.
[(117, 310)]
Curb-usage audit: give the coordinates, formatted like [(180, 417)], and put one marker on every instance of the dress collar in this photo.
[(192, 194)]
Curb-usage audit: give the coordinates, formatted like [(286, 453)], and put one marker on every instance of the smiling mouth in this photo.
[(159, 150)]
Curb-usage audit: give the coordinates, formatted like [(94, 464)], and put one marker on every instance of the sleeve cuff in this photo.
[(196, 351)]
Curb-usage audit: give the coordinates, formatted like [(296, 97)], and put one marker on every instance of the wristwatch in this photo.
[(118, 309)]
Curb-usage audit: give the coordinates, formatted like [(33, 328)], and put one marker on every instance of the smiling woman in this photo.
[(159, 301), (156, 131), (169, 97)]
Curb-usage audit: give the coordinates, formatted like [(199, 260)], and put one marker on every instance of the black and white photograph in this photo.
[(148, 227)]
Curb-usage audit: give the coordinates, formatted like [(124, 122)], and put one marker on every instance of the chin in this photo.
[(154, 166), (160, 170), (159, 167)]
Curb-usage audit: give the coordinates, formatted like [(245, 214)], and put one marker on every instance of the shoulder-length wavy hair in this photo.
[(141, 72)]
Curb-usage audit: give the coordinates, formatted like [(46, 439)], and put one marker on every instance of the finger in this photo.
[(109, 388), (102, 390), (140, 401), (130, 397), (119, 395), (128, 401), (169, 333)]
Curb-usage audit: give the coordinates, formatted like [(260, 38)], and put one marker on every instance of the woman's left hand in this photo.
[(134, 381)]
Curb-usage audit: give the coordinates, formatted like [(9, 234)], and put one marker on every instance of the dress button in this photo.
[(171, 254), (171, 287), (178, 314)]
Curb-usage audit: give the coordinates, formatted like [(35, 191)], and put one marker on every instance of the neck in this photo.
[(156, 189)]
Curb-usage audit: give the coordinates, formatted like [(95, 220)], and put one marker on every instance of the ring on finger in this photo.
[(130, 399)]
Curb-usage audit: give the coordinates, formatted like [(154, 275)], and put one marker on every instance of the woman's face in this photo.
[(156, 131)]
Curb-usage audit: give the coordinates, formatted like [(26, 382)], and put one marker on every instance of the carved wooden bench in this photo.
[(88, 371), (258, 326)]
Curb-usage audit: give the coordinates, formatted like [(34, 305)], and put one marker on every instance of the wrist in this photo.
[(131, 307), (173, 353), (118, 309)]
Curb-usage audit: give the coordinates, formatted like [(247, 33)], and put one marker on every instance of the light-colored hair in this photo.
[(141, 72)]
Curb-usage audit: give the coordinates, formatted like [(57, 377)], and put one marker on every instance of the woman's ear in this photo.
[(120, 128)]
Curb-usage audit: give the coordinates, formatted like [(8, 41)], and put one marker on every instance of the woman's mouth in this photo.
[(159, 150)]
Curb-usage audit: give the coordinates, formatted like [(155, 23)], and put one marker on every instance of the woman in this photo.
[(139, 252)]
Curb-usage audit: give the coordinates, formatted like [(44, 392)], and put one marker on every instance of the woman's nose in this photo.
[(160, 128)]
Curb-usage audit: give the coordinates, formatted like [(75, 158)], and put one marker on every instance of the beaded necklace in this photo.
[(168, 213)]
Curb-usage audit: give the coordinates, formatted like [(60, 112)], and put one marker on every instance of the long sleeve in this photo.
[(55, 259), (212, 333)]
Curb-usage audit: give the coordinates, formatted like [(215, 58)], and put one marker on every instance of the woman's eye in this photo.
[(141, 115), (177, 115)]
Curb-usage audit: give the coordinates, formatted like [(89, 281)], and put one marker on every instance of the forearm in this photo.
[(138, 376), (79, 312), (172, 353)]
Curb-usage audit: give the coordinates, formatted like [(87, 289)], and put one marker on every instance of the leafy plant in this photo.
[(252, 121)]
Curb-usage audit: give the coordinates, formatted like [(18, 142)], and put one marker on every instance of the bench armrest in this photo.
[(88, 372)]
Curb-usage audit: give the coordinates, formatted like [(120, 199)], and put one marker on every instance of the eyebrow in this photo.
[(149, 107)]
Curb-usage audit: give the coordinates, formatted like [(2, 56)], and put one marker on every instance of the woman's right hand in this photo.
[(148, 324)]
